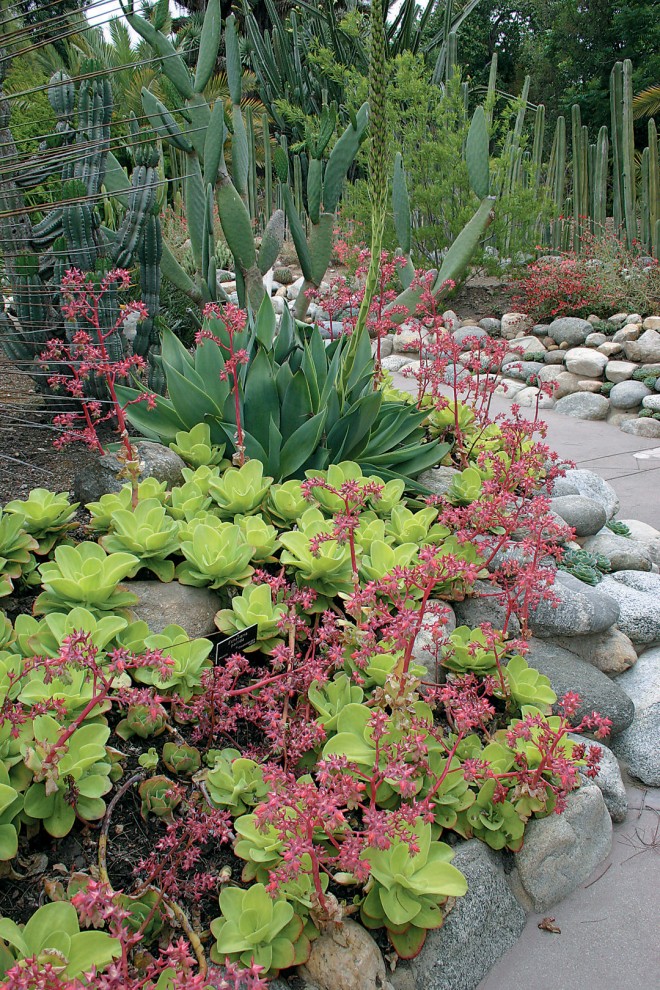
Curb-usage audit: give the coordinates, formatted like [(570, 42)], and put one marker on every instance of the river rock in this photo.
[(595, 339), (555, 357), (563, 486), (465, 336), (406, 341), (626, 333), (598, 693), (450, 320), (532, 396), (580, 609), (593, 486), (162, 605), (436, 630), (584, 361), (646, 348), (483, 606), (628, 395), (638, 597), (438, 480), (583, 405), (570, 329), (583, 514), (638, 745), (617, 319), (623, 553), (646, 427), (521, 370), (491, 324), (651, 402), (396, 362), (651, 323), (346, 959), (611, 651), (479, 929), (619, 371), (510, 388), (610, 349), (102, 475), (608, 780), (513, 323), (561, 851)]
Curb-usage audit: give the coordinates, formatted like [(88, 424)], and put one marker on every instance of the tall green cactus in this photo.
[(200, 132), (71, 234)]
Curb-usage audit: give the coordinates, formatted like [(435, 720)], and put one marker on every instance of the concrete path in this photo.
[(630, 464), (609, 925)]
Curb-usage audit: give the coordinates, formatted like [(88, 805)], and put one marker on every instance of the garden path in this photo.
[(608, 925), (630, 464)]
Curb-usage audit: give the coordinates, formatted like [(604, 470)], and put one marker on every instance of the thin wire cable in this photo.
[(46, 25), (84, 75)]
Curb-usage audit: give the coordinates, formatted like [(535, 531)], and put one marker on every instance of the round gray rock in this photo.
[(577, 611), (435, 631), (638, 597), (608, 780), (598, 693), (583, 405), (562, 486), (651, 402), (162, 605), (645, 349), (490, 324), (646, 427), (619, 371), (638, 745), (478, 930), (562, 851), (438, 480), (623, 553), (610, 651), (483, 606), (102, 475), (464, 335), (593, 486), (395, 362), (521, 370), (585, 515), (584, 361), (570, 329), (628, 395)]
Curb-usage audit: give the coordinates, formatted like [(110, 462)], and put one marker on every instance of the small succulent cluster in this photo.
[(585, 566)]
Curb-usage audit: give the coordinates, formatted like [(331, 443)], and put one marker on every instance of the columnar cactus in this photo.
[(71, 234)]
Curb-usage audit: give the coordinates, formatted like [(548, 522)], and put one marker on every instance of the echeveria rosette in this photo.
[(261, 537), (329, 571), (286, 503), (240, 491), (454, 793), (405, 526), (189, 658), (102, 512), (11, 806), (187, 501), (46, 516), (254, 606), (255, 928), (215, 556), (149, 534), (16, 551), (234, 782), (382, 559), (260, 847), (53, 935), (527, 686), (499, 824), (85, 575), (44, 637), (83, 763), (406, 891), (468, 651), (196, 448), (329, 699)]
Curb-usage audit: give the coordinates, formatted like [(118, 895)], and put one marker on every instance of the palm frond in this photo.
[(647, 103)]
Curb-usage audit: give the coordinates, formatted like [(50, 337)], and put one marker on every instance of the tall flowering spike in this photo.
[(378, 168)]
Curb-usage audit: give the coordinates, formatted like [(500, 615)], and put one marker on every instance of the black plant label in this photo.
[(225, 646)]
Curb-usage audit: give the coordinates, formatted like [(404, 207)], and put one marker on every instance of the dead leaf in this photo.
[(548, 925)]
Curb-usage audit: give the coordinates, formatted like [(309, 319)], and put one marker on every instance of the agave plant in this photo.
[(297, 406)]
